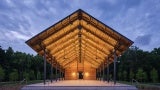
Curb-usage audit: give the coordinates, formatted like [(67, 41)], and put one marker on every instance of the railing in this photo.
[(24, 80), (137, 83)]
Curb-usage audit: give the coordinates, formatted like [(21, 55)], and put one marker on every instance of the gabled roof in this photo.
[(79, 36)]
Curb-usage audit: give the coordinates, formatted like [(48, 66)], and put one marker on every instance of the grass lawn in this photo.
[(144, 86), (16, 85)]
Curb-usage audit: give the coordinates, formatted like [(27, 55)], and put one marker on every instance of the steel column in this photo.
[(44, 76), (64, 74), (96, 74), (108, 70), (51, 70), (59, 73), (56, 71), (115, 60), (100, 73), (103, 71)]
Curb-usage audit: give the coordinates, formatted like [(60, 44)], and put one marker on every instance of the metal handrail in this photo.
[(23, 81), (134, 80)]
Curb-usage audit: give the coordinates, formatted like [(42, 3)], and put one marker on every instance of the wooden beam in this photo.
[(91, 47), (89, 31), (63, 46), (91, 63), (93, 59), (104, 29), (61, 36), (70, 62), (68, 52), (63, 39), (55, 30), (96, 46)]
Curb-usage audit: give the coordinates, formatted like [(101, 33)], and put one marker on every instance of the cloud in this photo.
[(143, 40), (136, 19), (16, 35)]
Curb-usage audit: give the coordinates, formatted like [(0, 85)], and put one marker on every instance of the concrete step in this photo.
[(79, 88)]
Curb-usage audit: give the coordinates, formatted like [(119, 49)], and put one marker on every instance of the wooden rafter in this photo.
[(82, 37)]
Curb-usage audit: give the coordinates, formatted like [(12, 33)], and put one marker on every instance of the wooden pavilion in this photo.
[(80, 46)]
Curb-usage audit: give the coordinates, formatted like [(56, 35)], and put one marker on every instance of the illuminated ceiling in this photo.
[(79, 36)]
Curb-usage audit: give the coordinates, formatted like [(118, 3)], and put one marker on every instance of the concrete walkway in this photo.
[(79, 85)]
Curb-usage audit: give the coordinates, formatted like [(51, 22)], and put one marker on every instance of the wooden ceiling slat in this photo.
[(98, 32), (96, 57), (61, 36), (63, 39), (90, 62), (70, 61), (68, 57), (104, 28), (88, 47), (66, 53), (34, 40), (109, 49), (66, 44), (96, 46), (94, 53), (93, 59), (58, 54), (98, 37), (97, 40)]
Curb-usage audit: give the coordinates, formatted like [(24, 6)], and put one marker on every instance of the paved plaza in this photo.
[(79, 85)]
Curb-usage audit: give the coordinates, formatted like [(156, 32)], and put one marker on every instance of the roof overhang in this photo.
[(79, 36)]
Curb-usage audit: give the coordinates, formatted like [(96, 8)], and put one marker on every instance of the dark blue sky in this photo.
[(139, 20)]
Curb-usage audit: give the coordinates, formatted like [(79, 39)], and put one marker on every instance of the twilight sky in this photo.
[(139, 20)]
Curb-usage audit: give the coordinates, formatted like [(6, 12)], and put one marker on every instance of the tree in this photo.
[(2, 56), (32, 75), (13, 76), (141, 75), (26, 76), (2, 74), (131, 61), (144, 76), (154, 75), (38, 75), (131, 75), (124, 75), (120, 75)]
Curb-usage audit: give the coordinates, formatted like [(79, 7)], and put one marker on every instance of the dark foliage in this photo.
[(28, 66), (134, 64), (135, 59)]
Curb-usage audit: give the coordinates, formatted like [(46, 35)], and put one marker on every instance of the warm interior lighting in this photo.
[(73, 74), (86, 74)]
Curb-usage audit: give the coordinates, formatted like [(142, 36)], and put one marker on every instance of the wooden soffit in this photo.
[(79, 36)]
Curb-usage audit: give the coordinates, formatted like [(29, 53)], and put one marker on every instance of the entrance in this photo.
[(80, 75)]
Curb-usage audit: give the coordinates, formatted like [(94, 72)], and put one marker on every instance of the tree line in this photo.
[(140, 65), (16, 66), (135, 63)]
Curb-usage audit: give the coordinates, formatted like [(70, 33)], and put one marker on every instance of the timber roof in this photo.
[(79, 36)]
